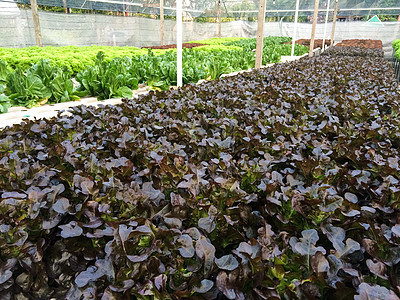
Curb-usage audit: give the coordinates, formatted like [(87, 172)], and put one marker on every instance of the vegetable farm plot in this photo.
[(396, 49), (277, 183), (396, 58), (27, 79)]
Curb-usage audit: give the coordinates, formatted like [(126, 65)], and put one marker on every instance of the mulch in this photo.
[(361, 43)]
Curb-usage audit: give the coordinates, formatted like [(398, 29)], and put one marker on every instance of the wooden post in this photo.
[(260, 34), (219, 18), (65, 6), (162, 22), (334, 22), (36, 24), (314, 25)]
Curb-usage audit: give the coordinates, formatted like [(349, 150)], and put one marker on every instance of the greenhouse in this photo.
[(187, 149)]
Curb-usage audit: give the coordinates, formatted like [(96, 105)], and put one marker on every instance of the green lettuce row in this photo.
[(29, 80), (396, 47), (76, 58), (41, 83)]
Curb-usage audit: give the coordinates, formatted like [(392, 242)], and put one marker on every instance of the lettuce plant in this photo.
[(280, 183)]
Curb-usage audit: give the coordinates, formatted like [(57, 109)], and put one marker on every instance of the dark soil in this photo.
[(184, 45), (361, 43)]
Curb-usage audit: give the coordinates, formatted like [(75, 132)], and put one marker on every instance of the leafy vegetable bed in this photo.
[(74, 58), (273, 48), (396, 58), (353, 51), (281, 182), (396, 48), (108, 75)]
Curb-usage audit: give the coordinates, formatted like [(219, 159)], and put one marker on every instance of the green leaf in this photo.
[(3, 72), (26, 90), (125, 92)]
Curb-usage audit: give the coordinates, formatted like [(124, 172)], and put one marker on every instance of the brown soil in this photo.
[(184, 45), (361, 43), (317, 42)]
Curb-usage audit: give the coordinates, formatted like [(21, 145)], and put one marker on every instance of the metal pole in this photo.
[(334, 22), (314, 25), (296, 16), (179, 41), (260, 34), (36, 23), (219, 19), (326, 24), (162, 22)]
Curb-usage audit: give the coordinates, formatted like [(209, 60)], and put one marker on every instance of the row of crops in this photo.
[(396, 48), (396, 58), (28, 79), (277, 183)]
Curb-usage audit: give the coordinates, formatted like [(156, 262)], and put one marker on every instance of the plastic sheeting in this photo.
[(230, 8), (58, 29), (16, 30)]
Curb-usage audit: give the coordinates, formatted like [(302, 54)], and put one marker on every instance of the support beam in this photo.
[(260, 34), (162, 22), (314, 25), (36, 23), (179, 41), (334, 22), (294, 37), (219, 19), (326, 24)]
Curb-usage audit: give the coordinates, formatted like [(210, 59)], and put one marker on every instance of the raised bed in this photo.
[(347, 51), (396, 67), (396, 58), (372, 44), (277, 183), (48, 82)]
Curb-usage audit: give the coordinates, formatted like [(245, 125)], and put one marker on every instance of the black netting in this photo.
[(232, 8)]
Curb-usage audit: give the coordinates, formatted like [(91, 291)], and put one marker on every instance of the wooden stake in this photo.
[(65, 6), (36, 23), (334, 22), (314, 25), (162, 22), (260, 34), (219, 18)]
